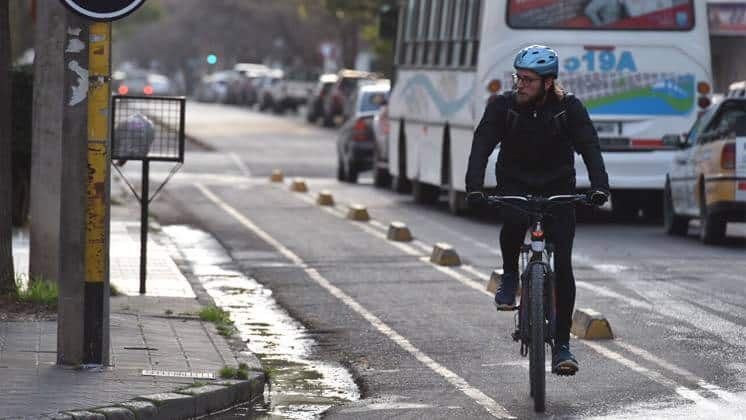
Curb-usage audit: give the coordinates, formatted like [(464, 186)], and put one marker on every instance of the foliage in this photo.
[(228, 372), (220, 318), (38, 291)]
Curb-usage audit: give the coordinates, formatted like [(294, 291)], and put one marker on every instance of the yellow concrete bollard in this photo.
[(325, 198), (298, 185), (399, 232), (277, 176), (358, 212), (588, 324), (444, 254)]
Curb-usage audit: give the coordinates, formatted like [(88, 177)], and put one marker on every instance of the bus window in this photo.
[(410, 44), (601, 14), (424, 30), (434, 37)]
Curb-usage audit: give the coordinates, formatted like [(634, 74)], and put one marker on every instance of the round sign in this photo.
[(103, 10)]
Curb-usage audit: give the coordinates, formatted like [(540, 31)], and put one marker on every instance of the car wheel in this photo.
[(424, 193), (351, 173), (381, 177), (340, 170), (673, 224), (712, 229)]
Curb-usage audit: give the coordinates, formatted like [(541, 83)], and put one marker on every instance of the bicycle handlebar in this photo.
[(543, 203)]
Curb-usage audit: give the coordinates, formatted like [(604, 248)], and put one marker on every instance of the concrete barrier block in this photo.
[(588, 324), (172, 405), (444, 254), (298, 185), (116, 413), (144, 410), (86, 415), (277, 176), (358, 212), (325, 198), (212, 398), (399, 232)]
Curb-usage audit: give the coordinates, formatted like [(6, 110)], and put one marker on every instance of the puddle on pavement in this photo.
[(301, 388)]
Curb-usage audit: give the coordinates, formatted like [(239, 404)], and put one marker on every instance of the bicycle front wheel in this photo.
[(537, 369)]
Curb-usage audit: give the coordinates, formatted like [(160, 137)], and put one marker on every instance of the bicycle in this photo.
[(536, 320)]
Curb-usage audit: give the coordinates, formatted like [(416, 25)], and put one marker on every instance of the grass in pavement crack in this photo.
[(219, 317)]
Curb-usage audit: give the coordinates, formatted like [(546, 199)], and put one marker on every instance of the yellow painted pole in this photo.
[(96, 254)]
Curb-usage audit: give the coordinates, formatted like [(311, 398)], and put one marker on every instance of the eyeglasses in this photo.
[(523, 79)]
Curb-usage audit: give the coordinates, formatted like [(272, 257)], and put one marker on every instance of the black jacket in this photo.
[(535, 150)]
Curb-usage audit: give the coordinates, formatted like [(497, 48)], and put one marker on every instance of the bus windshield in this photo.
[(601, 14)]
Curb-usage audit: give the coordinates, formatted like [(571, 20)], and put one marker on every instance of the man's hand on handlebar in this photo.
[(598, 196), (476, 200)]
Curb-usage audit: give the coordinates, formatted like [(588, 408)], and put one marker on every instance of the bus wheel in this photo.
[(400, 184), (424, 193), (457, 202), (623, 207)]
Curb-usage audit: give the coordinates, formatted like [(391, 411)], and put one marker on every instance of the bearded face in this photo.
[(529, 87)]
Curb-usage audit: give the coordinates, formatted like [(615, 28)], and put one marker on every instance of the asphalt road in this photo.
[(426, 342)]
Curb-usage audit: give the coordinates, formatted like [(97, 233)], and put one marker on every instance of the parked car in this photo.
[(337, 101), (356, 143), (214, 87), (141, 82), (381, 129), (315, 108), (243, 92), (707, 179), (266, 88)]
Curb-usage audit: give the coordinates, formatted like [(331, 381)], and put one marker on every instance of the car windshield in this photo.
[(372, 101)]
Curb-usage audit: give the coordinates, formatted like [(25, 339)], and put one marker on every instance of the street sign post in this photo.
[(103, 10)]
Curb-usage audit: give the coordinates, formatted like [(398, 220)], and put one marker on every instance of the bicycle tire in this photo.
[(536, 350)]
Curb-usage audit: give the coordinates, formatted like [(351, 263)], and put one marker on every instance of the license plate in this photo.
[(606, 128)]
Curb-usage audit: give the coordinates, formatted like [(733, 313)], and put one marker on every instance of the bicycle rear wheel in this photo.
[(536, 350)]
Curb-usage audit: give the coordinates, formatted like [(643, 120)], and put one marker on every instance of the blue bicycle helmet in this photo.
[(538, 58)]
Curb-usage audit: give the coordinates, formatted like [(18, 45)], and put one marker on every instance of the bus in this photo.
[(641, 67)]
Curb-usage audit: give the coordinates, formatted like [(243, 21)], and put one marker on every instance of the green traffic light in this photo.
[(212, 59)]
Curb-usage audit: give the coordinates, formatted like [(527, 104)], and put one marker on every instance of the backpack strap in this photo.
[(511, 116), (561, 119)]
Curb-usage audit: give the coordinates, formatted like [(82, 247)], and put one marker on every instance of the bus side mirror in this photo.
[(388, 17), (675, 140)]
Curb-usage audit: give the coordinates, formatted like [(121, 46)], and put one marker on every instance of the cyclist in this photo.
[(539, 126)]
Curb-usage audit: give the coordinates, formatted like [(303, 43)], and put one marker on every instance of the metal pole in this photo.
[(144, 198)]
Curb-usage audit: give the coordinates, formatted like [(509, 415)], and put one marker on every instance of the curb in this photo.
[(189, 403)]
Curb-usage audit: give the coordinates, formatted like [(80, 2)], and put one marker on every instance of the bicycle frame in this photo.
[(536, 250)]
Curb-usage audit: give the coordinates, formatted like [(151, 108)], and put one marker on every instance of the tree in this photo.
[(7, 275), (351, 17)]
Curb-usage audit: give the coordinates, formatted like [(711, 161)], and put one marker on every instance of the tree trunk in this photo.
[(7, 275), (46, 143)]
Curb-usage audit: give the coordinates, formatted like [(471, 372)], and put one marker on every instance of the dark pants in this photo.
[(559, 228)]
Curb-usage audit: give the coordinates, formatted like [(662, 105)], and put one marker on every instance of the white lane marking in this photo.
[(241, 165), (475, 394), (683, 391), (475, 272), (725, 395)]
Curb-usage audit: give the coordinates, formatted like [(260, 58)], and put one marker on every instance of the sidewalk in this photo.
[(157, 332)]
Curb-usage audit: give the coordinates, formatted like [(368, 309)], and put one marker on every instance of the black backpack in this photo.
[(560, 119)]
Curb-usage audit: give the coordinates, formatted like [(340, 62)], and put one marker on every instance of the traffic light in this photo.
[(212, 59)]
